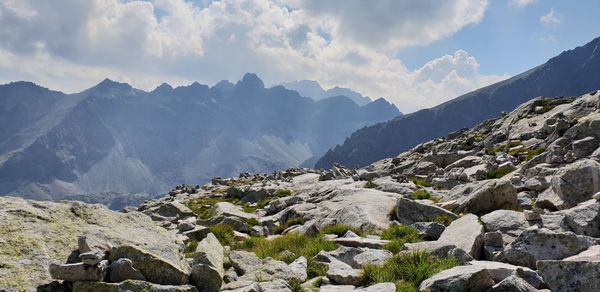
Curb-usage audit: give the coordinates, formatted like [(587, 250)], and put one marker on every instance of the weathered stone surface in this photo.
[(509, 223), (226, 209), (170, 210), (513, 284), (251, 267), (429, 230), (381, 287), (438, 249), (576, 183), (584, 219), (79, 272), (409, 211), (207, 266), (363, 208), (122, 269), (244, 262), (343, 274), (457, 279), (198, 233), (36, 234), (484, 196), (130, 285), (154, 268), (336, 288), (361, 242), (466, 233), (580, 276), (592, 254), (500, 271), (543, 244)]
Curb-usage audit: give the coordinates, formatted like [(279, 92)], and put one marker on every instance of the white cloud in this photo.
[(550, 19), (521, 3), (145, 43)]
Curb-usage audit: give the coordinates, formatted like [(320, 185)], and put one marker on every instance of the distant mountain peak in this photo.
[(251, 80), (314, 90), (110, 85)]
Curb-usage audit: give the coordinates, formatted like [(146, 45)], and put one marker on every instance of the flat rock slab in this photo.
[(460, 278), (581, 276), (361, 242), (466, 233), (409, 211)]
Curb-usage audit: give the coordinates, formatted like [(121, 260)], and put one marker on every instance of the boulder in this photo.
[(343, 274), (154, 268), (484, 196), (466, 233), (359, 207), (170, 210), (513, 284), (580, 276), (457, 279), (576, 183), (336, 288), (244, 262), (500, 271), (207, 266), (592, 254), (543, 244), (198, 233), (409, 211), (226, 209), (122, 269), (381, 287), (584, 219), (38, 233), (429, 230), (130, 285), (509, 223), (361, 242), (251, 267), (79, 272), (439, 249)]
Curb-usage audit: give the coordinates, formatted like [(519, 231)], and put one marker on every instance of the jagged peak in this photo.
[(251, 80)]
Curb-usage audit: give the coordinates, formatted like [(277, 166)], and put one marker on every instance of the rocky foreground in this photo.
[(511, 205)]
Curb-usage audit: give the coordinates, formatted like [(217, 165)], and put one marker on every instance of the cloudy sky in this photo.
[(415, 53)]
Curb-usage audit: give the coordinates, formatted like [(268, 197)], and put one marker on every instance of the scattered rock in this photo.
[(409, 211), (484, 196), (343, 274), (429, 230), (79, 272), (122, 269), (513, 284), (581, 276), (154, 268), (460, 278), (207, 266), (130, 285), (466, 233)]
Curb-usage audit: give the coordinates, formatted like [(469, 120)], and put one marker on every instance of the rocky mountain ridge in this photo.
[(512, 204), (113, 138)]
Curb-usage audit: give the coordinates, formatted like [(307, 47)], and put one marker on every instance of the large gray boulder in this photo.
[(584, 219), (500, 271), (574, 183), (438, 249), (482, 197), (154, 268), (36, 234), (250, 267), (543, 244), (409, 211), (343, 274), (122, 269), (466, 233), (226, 209), (580, 276), (513, 284), (509, 223), (79, 272), (429, 230), (359, 207), (207, 265), (458, 279), (130, 285)]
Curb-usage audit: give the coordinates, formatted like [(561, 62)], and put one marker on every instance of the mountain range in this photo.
[(573, 72), (312, 89), (113, 138)]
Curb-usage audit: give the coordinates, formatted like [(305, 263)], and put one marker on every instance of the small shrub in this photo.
[(443, 219), (398, 236), (419, 181), (224, 233), (406, 268), (296, 285), (341, 229), (282, 193), (421, 195), (370, 185)]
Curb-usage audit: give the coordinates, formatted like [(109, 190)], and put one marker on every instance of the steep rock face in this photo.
[(113, 138), (573, 72), (36, 234)]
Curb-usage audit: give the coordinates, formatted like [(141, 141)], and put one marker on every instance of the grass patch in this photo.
[(406, 269), (421, 195), (296, 243), (370, 185), (252, 221), (398, 236), (341, 229), (419, 181), (534, 152), (296, 285), (316, 269), (282, 193), (190, 248), (224, 233), (498, 173), (443, 219), (290, 222)]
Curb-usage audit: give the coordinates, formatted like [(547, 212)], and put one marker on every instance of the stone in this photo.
[(173, 210), (130, 285), (226, 209), (381, 287), (198, 233), (543, 244), (429, 230), (500, 271), (409, 211), (122, 269), (92, 258), (343, 274), (28, 225), (79, 272), (207, 265), (154, 268), (584, 219), (466, 233), (465, 162), (581, 276), (584, 147), (576, 183), (359, 207), (460, 278), (592, 254), (532, 215), (361, 242), (509, 223), (336, 288), (493, 238), (438, 249), (597, 196), (513, 284), (371, 256), (424, 168), (186, 225), (484, 196), (244, 261)]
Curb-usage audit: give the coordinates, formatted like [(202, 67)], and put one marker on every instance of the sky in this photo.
[(416, 54)]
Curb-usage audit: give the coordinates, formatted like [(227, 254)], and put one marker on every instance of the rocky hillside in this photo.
[(573, 72), (113, 138), (509, 205)]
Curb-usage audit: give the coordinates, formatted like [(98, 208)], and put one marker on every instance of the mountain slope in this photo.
[(573, 72), (115, 138), (313, 89)]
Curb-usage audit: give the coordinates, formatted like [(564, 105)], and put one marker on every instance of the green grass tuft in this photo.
[(419, 181), (290, 222), (498, 173), (190, 248), (296, 243), (443, 219), (296, 285), (370, 185), (341, 229), (282, 193), (398, 236), (224, 233), (406, 269), (421, 195), (316, 269)]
